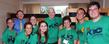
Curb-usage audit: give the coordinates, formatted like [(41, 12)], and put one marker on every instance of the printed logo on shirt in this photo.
[(82, 30), (54, 25), (67, 37), (11, 39), (95, 32)]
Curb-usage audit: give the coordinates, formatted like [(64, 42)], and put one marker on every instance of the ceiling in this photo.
[(73, 1), (54, 2)]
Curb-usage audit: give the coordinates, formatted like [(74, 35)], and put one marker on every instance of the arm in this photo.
[(76, 42), (59, 41), (59, 37), (4, 36), (75, 38)]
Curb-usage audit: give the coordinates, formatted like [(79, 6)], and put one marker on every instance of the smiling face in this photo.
[(10, 23), (67, 23), (80, 14), (94, 12), (20, 15), (51, 13), (43, 27), (28, 29), (33, 20)]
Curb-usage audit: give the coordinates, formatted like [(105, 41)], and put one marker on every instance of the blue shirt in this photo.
[(17, 24)]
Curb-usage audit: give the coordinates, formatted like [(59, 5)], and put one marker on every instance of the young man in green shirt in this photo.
[(8, 36), (26, 37), (98, 27), (67, 35), (53, 26)]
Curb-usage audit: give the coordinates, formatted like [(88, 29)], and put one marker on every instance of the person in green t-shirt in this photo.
[(42, 32), (53, 26), (80, 25), (67, 35), (34, 23), (98, 26), (26, 37), (8, 36)]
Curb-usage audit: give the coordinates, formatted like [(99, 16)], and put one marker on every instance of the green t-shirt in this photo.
[(33, 39), (23, 39), (42, 40), (81, 32), (53, 28), (35, 29), (98, 32), (67, 36), (8, 36)]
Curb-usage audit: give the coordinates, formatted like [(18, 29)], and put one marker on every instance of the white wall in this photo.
[(107, 3), (6, 6)]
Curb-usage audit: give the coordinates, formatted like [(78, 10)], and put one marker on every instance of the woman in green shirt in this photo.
[(26, 37), (81, 14), (34, 23), (43, 32), (9, 34)]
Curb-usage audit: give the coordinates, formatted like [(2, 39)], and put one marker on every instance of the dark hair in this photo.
[(84, 13), (27, 24), (82, 10), (19, 11), (73, 25), (8, 20), (30, 17), (66, 18), (39, 32), (93, 3)]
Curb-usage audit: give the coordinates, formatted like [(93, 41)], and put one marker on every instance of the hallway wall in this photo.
[(7, 6)]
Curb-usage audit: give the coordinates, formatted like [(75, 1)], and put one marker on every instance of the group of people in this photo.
[(92, 31)]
